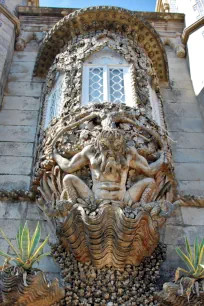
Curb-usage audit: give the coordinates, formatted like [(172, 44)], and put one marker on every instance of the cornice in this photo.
[(11, 17), (192, 28), (54, 11)]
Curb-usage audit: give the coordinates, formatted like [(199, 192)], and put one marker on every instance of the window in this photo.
[(106, 77), (54, 102)]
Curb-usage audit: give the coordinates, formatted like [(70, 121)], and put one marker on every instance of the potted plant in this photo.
[(21, 284), (188, 285)]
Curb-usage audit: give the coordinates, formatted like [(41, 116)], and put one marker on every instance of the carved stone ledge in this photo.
[(17, 195), (190, 201)]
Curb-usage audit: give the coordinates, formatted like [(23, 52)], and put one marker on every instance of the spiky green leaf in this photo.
[(196, 252), (5, 255), (185, 258), (40, 257), (188, 249), (35, 239), (18, 237), (9, 242), (40, 248), (25, 242)]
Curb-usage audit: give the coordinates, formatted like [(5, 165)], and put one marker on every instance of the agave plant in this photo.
[(29, 251), (194, 260)]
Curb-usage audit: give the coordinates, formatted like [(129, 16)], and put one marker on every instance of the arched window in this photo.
[(55, 100), (106, 77)]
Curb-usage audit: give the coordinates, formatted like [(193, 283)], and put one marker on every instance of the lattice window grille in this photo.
[(106, 84), (55, 102), (117, 90), (96, 84)]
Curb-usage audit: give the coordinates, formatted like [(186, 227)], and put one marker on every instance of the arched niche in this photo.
[(85, 22)]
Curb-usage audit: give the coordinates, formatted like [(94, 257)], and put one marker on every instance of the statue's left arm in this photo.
[(140, 163)]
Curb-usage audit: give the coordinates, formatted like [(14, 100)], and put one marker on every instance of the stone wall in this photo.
[(18, 121), (7, 38), (185, 126)]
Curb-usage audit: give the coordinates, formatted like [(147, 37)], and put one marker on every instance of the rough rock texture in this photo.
[(86, 285)]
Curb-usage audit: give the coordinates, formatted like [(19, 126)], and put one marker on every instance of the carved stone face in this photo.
[(111, 143)]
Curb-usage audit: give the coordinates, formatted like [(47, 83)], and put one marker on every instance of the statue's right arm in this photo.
[(77, 162)]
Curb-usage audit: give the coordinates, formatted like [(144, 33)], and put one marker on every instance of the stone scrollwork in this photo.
[(104, 176)]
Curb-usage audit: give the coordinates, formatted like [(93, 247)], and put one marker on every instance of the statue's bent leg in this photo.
[(142, 191), (73, 188)]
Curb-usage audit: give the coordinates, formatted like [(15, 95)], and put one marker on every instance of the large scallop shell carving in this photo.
[(110, 238)]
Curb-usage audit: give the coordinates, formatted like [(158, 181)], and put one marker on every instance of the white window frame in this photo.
[(56, 103), (106, 82)]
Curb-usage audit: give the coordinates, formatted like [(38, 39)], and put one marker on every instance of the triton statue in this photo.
[(110, 160)]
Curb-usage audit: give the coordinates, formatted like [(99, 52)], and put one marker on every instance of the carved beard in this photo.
[(102, 159)]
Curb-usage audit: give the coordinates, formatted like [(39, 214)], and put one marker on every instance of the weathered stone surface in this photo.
[(176, 217), (17, 133), (10, 182), (10, 228), (15, 212), (21, 103), (18, 117), (25, 89), (192, 125), (187, 140), (184, 110), (24, 56), (179, 95), (48, 265), (16, 149), (15, 165), (193, 216), (192, 232), (188, 156), (189, 171), (191, 187), (174, 235)]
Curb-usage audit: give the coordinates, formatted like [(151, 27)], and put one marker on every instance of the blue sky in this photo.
[(135, 5)]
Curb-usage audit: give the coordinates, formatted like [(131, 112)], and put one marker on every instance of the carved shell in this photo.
[(38, 291), (110, 238)]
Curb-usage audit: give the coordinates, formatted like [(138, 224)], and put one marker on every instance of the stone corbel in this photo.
[(176, 44), (26, 37), (180, 48), (23, 39)]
